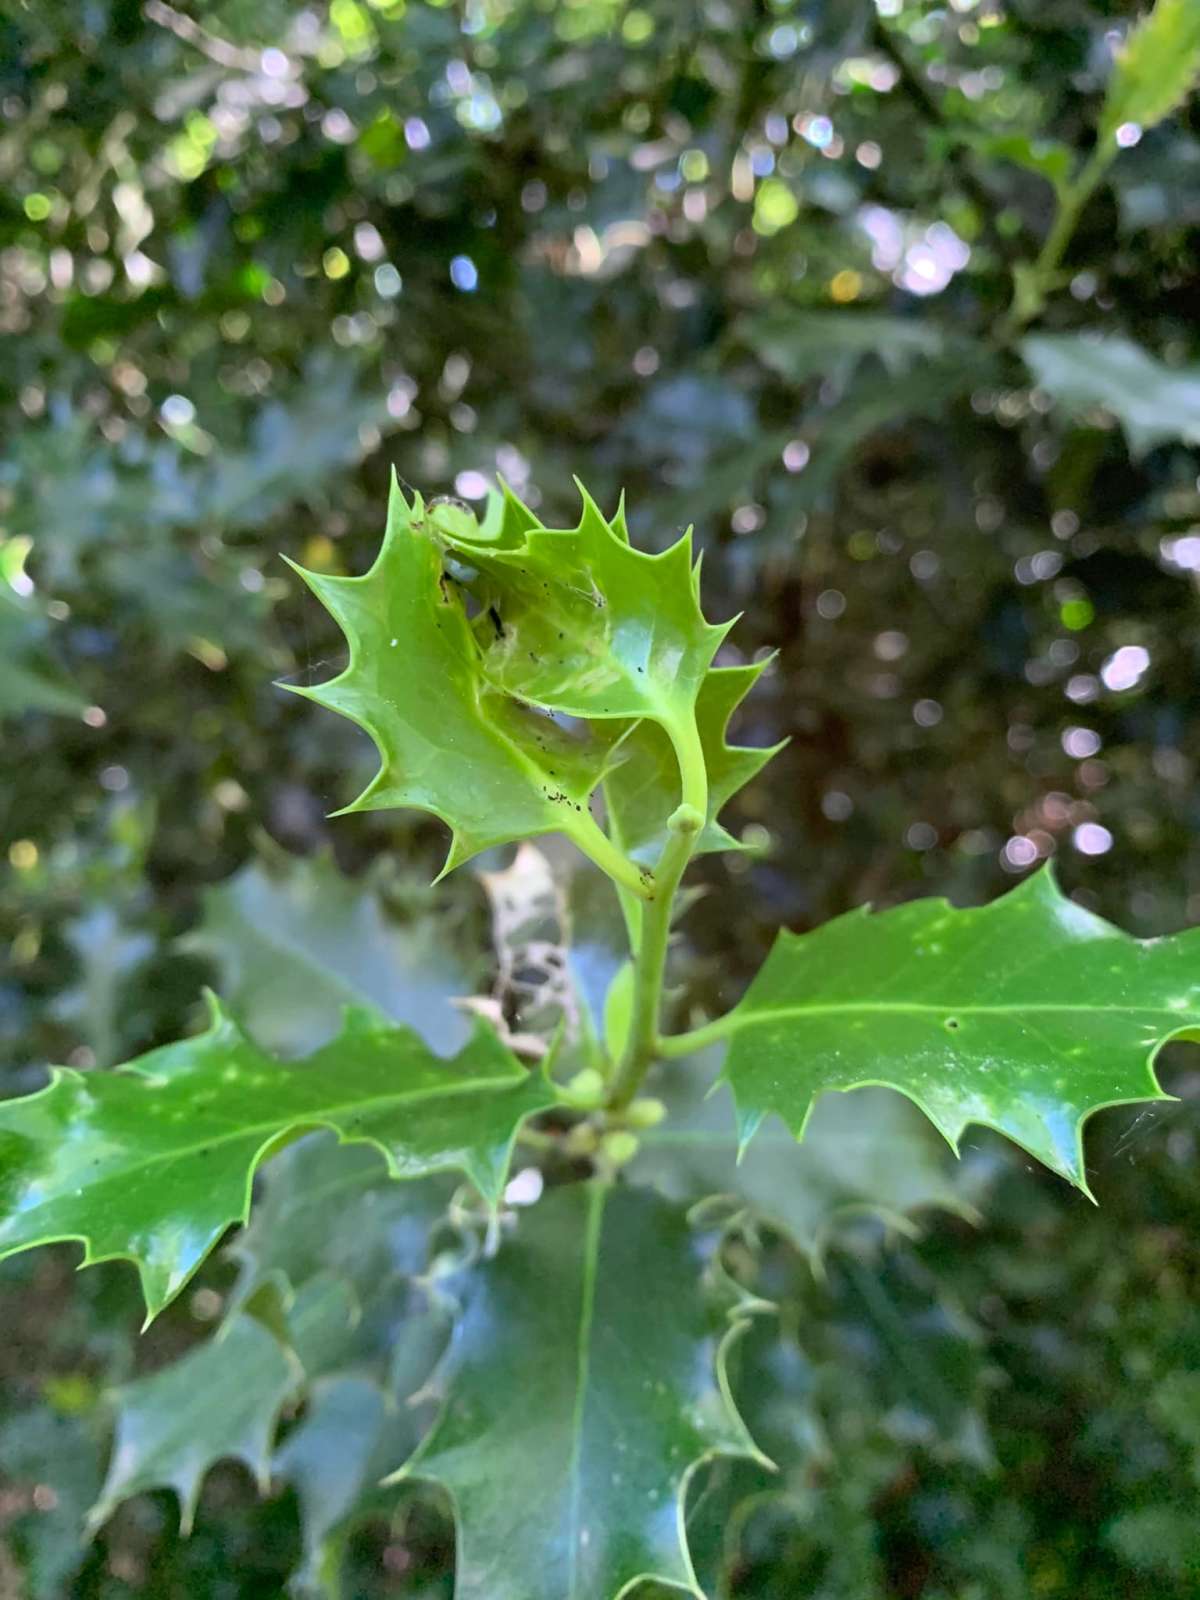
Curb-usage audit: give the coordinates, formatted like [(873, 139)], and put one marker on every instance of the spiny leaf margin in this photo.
[(486, 762), (779, 1061), (651, 1240), (170, 1238), (641, 791), (581, 622)]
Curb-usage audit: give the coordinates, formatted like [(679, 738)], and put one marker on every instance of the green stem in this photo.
[(1071, 200), (693, 769), (650, 958)]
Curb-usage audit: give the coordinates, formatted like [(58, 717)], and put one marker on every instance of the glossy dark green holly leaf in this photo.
[(328, 1267), (320, 1326), (876, 1352), (1152, 401), (296, 941), (641, 792), (329, 1212), (334, 1458), (221, 1401), (29, 681), (801, 345), (589, 1353), (153, 1162), (912, 1345), (57, 1459), (327, 1207), (108, 954), (491, 767), (1025, 1015), (579, 621), (869, 1155)]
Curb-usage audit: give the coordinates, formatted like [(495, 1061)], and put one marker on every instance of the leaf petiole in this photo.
[(590, 837), (693, 768), (671, 1046)]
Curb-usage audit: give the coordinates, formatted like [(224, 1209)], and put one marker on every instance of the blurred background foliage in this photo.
[(753, 261)]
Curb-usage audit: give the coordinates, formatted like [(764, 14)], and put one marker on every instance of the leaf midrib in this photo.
[(319, 1118), (754, 1017), (587, 1308)]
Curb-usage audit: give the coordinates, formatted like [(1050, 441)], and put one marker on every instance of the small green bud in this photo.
[(585, 1089), (685, 819), (645, 1113), (581, 1140), (619, 1148)]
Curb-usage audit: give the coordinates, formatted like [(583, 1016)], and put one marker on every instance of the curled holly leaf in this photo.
[(153, 1162), (451, 741), (642, 790), (1025, 1015), (580, 622)]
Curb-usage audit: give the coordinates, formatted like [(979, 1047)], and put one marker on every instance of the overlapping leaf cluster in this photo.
[(479, 647), (475, 650)]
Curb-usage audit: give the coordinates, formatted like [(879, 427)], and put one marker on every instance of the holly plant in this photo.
[(548, 1339)]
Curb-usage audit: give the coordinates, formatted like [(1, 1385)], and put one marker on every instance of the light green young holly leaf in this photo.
[(870, 1155), (578, 621), (506, 520), (643, 790), (589, 1347), (1155, 70), (153, 1162), (474, 754), (1025, 1015)]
